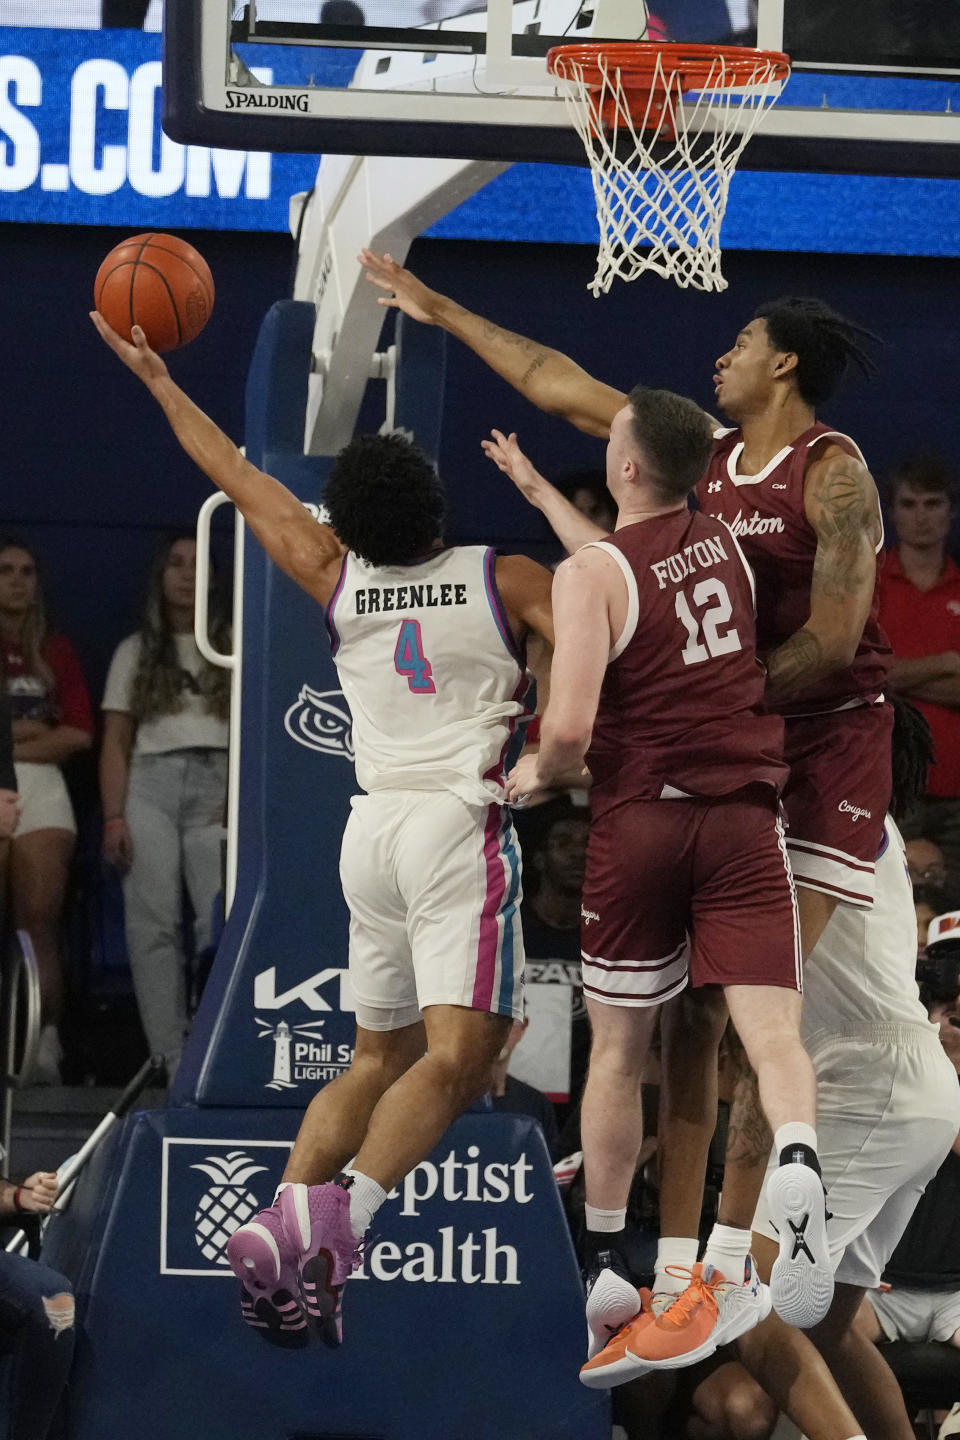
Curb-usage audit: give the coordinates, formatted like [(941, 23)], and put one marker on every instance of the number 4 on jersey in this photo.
[(410, 660)]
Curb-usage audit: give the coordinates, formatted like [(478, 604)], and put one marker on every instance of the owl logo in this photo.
[(321, 721)]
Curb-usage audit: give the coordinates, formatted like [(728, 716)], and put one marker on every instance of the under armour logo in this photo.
[(800, 1246), (714, 486)]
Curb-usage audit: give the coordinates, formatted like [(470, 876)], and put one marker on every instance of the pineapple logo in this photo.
[(226, 1204)]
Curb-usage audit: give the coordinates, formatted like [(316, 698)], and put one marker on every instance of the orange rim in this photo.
[(636, 62)]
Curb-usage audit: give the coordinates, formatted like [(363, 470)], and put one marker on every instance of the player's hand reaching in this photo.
[(138, 357), (506, 454), (524, 779), (406, 292)]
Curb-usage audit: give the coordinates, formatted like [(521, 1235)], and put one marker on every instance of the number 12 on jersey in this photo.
[(704, 638), (410, 660)]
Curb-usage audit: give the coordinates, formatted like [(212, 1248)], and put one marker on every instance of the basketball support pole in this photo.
[(383, 203)]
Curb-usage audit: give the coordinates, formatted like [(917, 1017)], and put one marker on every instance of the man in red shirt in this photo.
[(920, 612)]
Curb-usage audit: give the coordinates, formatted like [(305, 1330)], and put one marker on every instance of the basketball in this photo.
[(158, 282)]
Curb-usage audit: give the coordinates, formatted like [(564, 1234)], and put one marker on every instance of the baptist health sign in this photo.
[(81, 143)]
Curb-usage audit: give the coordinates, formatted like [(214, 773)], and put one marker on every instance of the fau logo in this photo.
[(321, 721)]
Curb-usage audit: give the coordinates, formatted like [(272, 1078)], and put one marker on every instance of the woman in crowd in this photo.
[(51, 721), (163, 781)]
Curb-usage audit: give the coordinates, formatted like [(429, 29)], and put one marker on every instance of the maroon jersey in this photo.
[(766, 514), (681, 708)]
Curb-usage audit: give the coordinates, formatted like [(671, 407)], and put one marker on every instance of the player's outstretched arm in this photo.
[(581, 611), (549, 379), (308, 552), (841, 503), (570, 526)]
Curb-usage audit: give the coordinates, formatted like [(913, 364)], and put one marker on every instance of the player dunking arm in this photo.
[(806, 512), (655, 683), (429, 860)]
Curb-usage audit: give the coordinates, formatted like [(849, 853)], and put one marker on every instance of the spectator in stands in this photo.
[(925, 862), (52, 721), (163, 785), (9, 800), (920, 612), (516, 1097), (587, 491), (554, 1056), (928, 902), (36, 1322)]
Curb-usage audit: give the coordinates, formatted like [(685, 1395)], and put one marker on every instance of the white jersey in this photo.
[(430, 670), (862, 971)]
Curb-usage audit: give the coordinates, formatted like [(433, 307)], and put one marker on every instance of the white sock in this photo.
[(795, 1132), (727, 1250), (366, 1197), (605, 1222), (679, 1251)]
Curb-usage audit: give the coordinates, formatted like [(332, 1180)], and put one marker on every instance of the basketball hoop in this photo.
[(664, 127)]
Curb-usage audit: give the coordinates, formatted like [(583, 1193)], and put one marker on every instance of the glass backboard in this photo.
[(875, 89)]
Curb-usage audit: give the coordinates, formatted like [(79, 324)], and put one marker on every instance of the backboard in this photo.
[(874, 89)]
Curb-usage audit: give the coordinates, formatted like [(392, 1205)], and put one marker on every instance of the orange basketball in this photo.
[(158, 282)]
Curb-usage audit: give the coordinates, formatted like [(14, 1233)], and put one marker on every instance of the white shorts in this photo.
[(888, 1111), (433, 886), (917, 1314), (44, 800)]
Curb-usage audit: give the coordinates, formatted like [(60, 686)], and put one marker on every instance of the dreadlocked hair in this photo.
[(823, 341), (912, 756), (157, 685)]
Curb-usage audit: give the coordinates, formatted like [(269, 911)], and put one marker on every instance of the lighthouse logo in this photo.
[(300, 1052)]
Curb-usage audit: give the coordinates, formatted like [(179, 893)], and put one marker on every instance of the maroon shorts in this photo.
[(698, 885), (836, 798)]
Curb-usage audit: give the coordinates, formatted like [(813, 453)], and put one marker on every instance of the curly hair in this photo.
[(157, 684), (384, 499), (823, 341)]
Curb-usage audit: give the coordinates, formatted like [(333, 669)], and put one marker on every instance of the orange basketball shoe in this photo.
[(712, 1311), (612, 1300), (614, 1364)]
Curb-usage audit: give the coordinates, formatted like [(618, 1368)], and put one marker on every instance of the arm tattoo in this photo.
[(539, 354), (794, 663), (539, 359), (748, 1134), (845, 518), (842, 571)]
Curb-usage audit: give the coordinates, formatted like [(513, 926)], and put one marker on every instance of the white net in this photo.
[(662, 164)]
